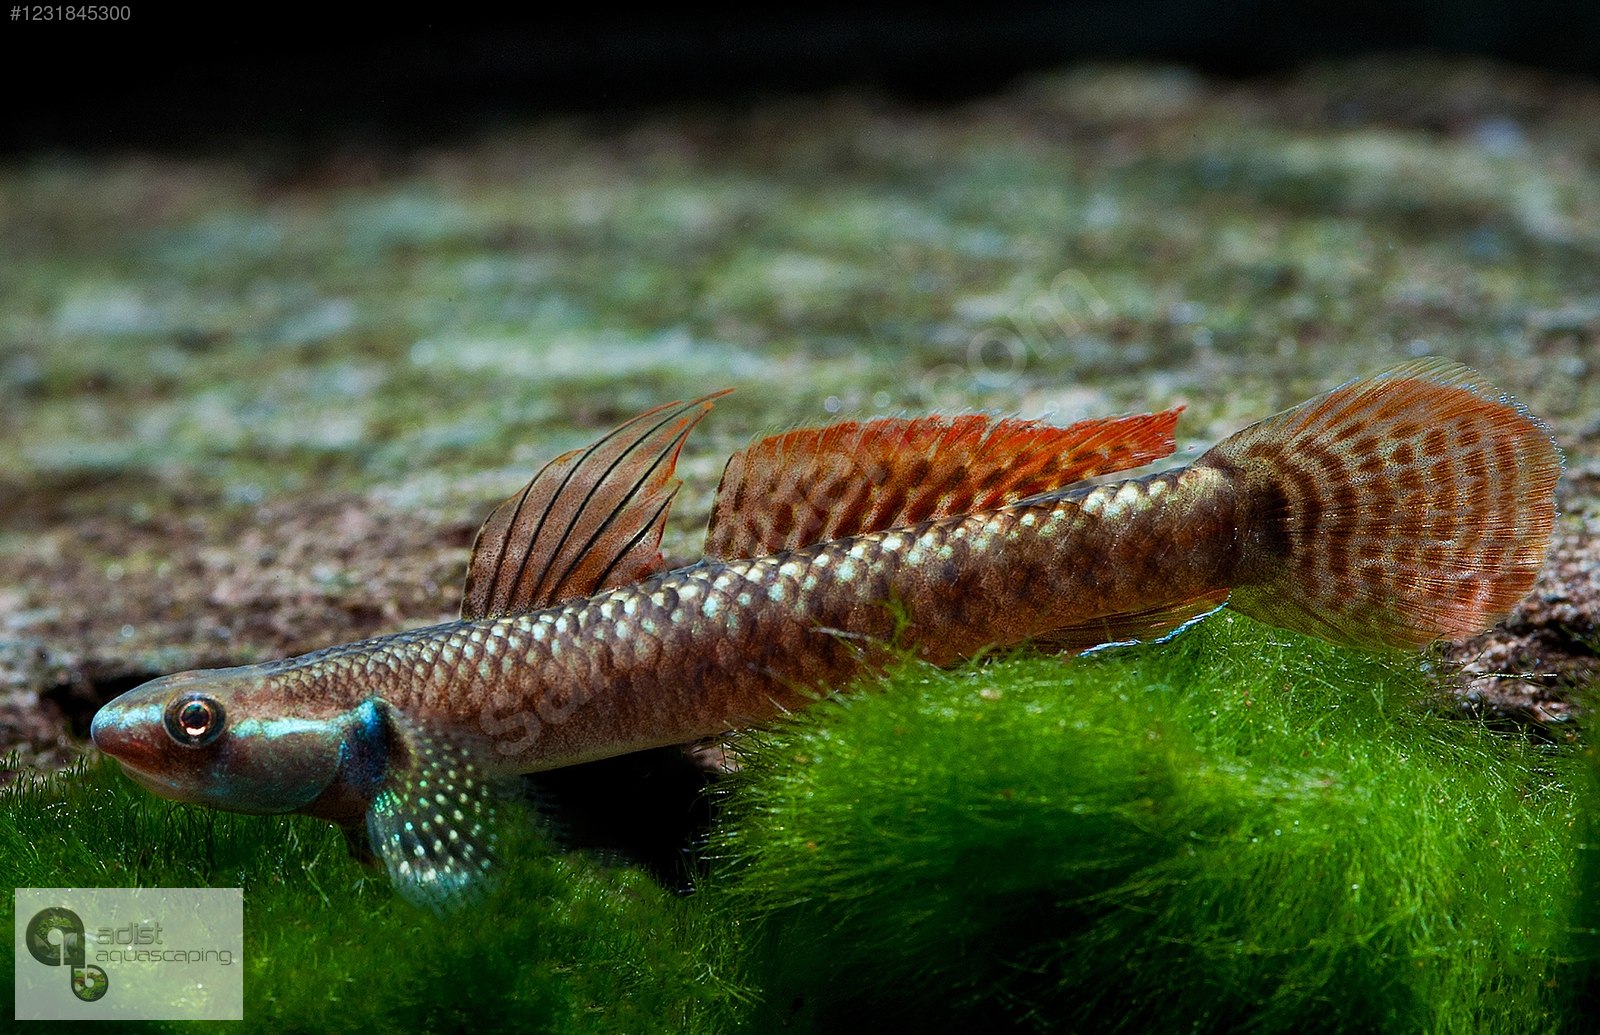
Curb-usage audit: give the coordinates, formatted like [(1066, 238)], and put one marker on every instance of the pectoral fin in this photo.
[(434, 822)]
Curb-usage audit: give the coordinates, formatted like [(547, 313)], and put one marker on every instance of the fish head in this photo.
[(222, 737)]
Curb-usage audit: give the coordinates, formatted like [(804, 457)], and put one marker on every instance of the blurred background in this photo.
[(285, 307), (165, 78)]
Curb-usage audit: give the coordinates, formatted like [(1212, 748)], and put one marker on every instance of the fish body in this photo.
[(1392, 511)]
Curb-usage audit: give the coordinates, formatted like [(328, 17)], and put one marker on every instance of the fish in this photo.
[(1397, 509)]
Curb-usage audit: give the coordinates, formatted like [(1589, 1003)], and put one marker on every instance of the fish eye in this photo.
[(194, 720)]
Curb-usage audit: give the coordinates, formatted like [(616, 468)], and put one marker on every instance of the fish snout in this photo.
[(128, 728), (134, 728)]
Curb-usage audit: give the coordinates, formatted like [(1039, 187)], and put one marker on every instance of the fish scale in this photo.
[(1392, 511), (704, 649)]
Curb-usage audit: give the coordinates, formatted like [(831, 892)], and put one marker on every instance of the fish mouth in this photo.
[(124, 730), (154, 783), (120, 737)]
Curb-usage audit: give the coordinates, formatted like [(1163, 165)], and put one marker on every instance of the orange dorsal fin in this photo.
[(816, 484), (590, 520)]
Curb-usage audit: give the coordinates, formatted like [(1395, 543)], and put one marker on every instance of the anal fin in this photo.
[(1132, 626)]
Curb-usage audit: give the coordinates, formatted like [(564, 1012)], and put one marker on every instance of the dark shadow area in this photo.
[(650, 809), (164, 79)]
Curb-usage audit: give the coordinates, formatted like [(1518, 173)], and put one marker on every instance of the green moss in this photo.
[(563, 945), (1242, 830)]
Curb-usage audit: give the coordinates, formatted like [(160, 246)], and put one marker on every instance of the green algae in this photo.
[(562, 945)]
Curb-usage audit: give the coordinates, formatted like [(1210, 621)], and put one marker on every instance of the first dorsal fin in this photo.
[(590, 520), (816, 484)]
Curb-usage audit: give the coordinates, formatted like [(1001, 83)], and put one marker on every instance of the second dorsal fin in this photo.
[(816, 484), (590, 520)]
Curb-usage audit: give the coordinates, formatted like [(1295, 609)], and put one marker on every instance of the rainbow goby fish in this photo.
[(1389, 512)]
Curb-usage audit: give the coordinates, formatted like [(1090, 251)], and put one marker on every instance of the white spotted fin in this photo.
[(434, 823)]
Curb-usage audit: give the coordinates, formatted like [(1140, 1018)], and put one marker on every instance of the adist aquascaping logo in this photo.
[(56, 938), (128, 953)]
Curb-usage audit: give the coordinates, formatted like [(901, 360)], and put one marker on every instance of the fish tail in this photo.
[(1393, 511)]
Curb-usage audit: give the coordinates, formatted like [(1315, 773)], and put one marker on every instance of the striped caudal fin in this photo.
[(1394, 510)]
